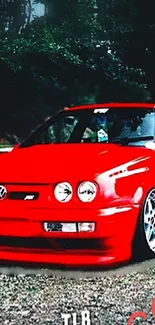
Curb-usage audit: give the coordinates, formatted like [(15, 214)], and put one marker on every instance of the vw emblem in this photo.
[(3, 192)]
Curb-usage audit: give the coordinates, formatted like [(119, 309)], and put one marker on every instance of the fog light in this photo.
[(86, 226)]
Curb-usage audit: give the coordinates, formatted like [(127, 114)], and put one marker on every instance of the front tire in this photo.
[(143, 246)]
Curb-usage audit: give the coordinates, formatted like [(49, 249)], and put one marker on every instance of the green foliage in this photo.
[(80, 41), (80, 51)]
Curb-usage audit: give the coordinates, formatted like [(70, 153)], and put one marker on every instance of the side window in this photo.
[(60, 131), (67, 129)]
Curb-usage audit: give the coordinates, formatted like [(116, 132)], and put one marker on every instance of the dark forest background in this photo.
[(55, 53)]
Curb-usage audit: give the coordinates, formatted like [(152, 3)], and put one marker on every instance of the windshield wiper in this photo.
[(124, 141)]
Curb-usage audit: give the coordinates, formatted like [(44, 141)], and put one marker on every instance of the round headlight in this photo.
[(87, 191), (63, 192)]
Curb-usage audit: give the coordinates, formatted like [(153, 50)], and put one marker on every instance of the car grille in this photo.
[(23, 196), (55, 244)]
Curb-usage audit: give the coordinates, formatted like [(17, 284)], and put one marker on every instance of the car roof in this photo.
[(111, 105)]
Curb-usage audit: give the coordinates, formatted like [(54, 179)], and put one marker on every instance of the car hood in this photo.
[(65, 162)]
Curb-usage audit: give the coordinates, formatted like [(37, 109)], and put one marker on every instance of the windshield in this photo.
[(97, 126)]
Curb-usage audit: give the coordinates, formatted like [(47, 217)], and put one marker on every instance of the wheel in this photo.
[(144, 239)]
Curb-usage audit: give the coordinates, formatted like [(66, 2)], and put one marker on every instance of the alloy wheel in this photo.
[(149, 220)]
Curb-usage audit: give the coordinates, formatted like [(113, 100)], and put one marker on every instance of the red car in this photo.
[(80, 190)]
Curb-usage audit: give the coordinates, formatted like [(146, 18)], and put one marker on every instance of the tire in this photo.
[(143, 246)]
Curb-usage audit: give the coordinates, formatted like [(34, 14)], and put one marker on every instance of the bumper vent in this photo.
[(52, 244)]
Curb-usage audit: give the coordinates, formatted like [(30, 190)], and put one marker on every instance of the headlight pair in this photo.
[(86, 191)]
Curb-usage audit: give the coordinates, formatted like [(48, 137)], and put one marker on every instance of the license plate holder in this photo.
[(60, 227)]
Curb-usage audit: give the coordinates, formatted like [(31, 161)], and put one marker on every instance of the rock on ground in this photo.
[(40, 299)]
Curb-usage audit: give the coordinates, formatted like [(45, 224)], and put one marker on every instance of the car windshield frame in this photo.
[(82, 125)]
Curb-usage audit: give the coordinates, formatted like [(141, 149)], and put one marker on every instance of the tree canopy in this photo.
[(76, 51)]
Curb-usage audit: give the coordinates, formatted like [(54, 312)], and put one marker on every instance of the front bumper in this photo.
[(58, 258), (114, 232)]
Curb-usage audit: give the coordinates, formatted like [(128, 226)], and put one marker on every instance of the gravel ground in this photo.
[(40, 299)]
